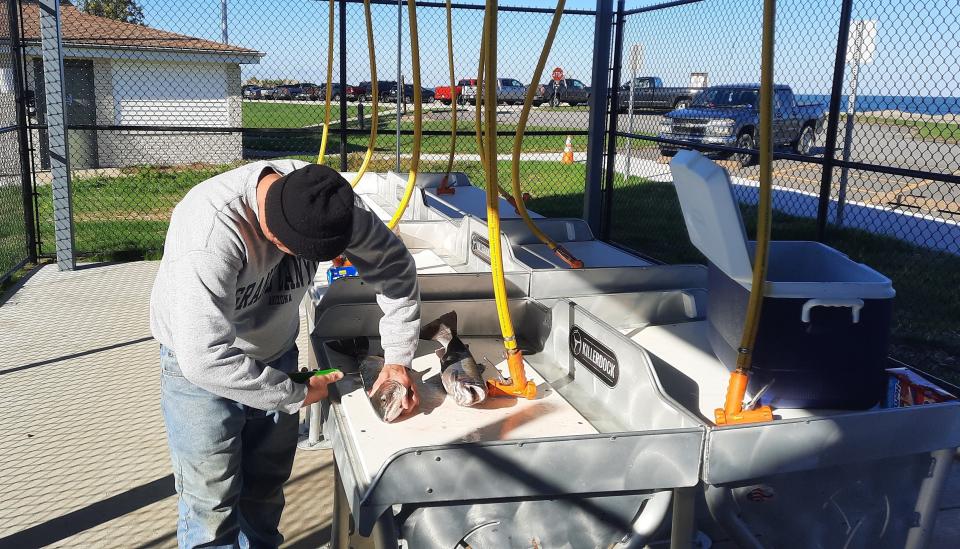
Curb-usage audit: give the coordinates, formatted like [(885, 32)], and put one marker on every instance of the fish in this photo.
[(461, 376), (387, 401)]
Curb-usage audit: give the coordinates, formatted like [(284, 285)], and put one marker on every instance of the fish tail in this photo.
[(442, 330), (358, 347)]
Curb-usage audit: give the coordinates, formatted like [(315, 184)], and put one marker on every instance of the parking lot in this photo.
[(874, 143)]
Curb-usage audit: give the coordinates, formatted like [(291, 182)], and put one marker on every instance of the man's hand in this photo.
[(399, 374), (317, 387)]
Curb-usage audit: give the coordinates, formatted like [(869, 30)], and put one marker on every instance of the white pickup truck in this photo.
[(509, 91)]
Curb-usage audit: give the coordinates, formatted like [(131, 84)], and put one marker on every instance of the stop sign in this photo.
[(557, 74)]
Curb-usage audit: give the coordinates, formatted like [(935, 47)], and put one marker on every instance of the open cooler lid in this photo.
[(711, 214)]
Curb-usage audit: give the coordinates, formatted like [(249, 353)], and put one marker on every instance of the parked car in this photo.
[(251, 92), (335, 93), (442, 93), (650, 93), (287, 92), (267, 93), (729, 115), (309, 91), (509, 91), (569, 90), (385, 89), (426, 95), (354, 93)]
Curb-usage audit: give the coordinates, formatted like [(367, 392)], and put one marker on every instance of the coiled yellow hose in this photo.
[(326, 116), (375, 91), (417, 115)]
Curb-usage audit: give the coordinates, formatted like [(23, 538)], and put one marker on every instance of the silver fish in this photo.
[(460, 374), (387, 401)]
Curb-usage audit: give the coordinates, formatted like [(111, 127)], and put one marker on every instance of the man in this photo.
[(240, 253)]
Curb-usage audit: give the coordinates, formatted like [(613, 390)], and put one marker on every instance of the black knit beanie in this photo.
[(310, 210)]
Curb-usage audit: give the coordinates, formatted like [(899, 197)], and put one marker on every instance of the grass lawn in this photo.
[(122, 217), (936, 131), (12, 238), (291, 115), (926, 330)]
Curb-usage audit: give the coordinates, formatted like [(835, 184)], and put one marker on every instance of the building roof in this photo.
[(80, 29)]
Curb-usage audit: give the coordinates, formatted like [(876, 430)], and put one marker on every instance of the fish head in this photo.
[(468, 392), (388, 400)]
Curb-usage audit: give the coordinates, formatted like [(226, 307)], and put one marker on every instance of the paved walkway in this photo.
[(83, 455), (83, 458)]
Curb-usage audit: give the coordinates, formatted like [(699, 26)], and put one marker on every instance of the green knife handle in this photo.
[(303, 377)]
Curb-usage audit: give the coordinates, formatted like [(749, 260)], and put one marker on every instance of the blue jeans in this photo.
[(229, 461)]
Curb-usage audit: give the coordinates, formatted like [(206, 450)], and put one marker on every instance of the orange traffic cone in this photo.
[(567, 157)]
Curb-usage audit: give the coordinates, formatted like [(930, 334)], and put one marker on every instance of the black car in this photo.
[(426, 96), (309, 91), (251, 92), (569, 90), (385, 88)]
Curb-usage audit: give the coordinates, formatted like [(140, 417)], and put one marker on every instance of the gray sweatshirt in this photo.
[(226, 300)]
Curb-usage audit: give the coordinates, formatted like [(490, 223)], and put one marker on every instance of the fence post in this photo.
[(57, 133), (343, 85), (833, 119), (606, 216), (26, 182), (399, 73), (593, 191)]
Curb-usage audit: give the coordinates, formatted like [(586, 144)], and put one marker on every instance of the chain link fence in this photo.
[(867, 144), (15, 240), (158, 105), (867, 154)]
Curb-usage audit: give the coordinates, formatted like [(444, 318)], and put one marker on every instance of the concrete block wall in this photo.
[(121, 148)]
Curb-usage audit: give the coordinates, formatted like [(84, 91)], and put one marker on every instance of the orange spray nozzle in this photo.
[(568, 257), (732, 411), (518, 385), (445, 188)]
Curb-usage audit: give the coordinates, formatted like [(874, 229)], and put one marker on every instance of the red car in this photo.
[(442, 93)]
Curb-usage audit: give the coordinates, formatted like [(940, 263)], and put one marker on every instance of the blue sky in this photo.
[(918, 46)]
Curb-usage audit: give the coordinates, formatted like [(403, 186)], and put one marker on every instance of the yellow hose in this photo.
[(326, 116), (733, 411), (517, 385), (752, 323), (374, 89), (453, 93), (479, 102), (493, 201), (417, 115), (477, 98), (518, 142)]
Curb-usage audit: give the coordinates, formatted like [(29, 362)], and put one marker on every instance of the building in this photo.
[(120, 74)]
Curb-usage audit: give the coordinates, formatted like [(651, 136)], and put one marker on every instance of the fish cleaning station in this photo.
[(654, 312), (577, 395)]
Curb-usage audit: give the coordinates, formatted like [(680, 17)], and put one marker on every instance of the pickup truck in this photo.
[(509, 91), (649, 93), (442, 93), (569, 91), (729, 115)]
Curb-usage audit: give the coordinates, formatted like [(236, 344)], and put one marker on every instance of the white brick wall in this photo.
[(117, 148)]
